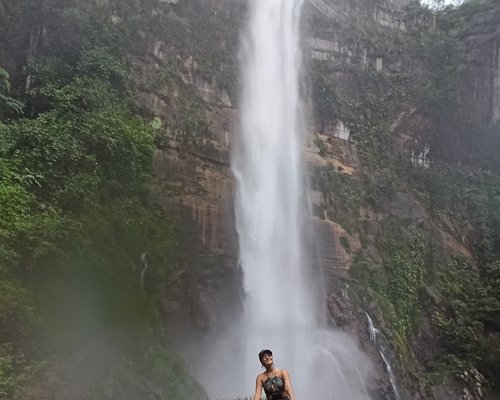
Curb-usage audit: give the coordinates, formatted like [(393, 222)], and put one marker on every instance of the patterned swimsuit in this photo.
[(274, 388)]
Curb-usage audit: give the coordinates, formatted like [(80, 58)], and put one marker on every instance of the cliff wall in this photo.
[(363, 75)]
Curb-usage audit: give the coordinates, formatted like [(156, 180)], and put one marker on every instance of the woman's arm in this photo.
[(258, 389), (288, 385)]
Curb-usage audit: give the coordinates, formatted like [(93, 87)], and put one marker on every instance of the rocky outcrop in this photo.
[(480, 34)]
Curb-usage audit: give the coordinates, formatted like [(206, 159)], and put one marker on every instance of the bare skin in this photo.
[(270, 372)]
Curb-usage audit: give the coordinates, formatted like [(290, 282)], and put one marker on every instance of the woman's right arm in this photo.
[(258, 389)]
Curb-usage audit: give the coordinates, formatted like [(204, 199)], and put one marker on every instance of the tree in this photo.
[(7, 103)]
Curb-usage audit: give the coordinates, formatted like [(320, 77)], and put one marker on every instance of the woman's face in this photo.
[(267, 359)]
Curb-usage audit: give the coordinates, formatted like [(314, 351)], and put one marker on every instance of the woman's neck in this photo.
[(270, 369)]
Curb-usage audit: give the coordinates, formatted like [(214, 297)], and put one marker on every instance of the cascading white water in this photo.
[(268, 168), (373, 333), (281, 304), (267, 165)]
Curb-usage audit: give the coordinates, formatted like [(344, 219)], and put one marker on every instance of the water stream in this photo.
[(283, 301), (373, 333)]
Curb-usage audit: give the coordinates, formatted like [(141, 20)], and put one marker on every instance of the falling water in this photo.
[(281, 294), (392, 378), (373, 332)]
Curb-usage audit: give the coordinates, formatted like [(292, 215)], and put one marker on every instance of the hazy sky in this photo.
[(446, 2)]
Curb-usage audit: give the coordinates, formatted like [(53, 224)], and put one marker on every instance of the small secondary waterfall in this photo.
[(373, 332), (282, 305)]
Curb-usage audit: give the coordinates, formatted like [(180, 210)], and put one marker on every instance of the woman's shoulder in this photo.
[(283, 373), (262, 376)]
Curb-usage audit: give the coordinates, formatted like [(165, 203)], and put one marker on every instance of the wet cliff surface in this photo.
[(380, 107)]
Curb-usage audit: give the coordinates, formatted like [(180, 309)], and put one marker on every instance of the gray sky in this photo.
[(446, 2)]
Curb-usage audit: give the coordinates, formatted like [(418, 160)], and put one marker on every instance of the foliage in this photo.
[(467, 318), (369, 113), (211, 40), (8, 380), (466, 201), (405, 271), (15, 203), (15, 371), (87, 147), (378, 187), (188, 124), (169, 366), (76, 207), (153, 369), (341, 195), (422, 95), (7, 103), (324, 94)]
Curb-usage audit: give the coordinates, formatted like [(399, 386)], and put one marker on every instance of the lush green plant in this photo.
[(467, 317), (405, 271), (7, 103), (76, 210), (8, 380)]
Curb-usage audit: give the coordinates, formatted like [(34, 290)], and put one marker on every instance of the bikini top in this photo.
[(274, 385)]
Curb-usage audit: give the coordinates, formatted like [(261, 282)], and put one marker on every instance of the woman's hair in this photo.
[(262, 352)]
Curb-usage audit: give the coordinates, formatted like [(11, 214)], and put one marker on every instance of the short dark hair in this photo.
[(262, 352)]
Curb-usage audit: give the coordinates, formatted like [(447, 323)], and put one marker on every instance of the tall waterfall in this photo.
[(269, 173), (282, 306)]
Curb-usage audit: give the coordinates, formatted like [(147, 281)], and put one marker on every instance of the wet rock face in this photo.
[(482, 52), (194, 180), (336, 247), (329, 25), (187, 82), (196, 187)]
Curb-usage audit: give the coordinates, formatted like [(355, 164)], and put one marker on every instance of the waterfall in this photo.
[(282, 305), (392, 378), (373, 332)]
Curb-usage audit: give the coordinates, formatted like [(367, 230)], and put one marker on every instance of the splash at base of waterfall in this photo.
[(327, 365)]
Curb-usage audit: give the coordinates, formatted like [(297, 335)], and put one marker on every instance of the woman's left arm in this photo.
[(288, 384)]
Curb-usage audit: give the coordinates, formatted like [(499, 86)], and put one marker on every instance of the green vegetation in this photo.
[(7, 104), (467, 317), (419, 281), (405, 268), (77, 214), (421, 96), (145, 371), (467, 311), (324, 95), (396, 286), (341, 194)]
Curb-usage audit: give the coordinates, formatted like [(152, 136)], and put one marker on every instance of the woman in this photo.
[(275, 382)]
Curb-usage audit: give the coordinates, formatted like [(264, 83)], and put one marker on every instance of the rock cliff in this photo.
[(357, 61)]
